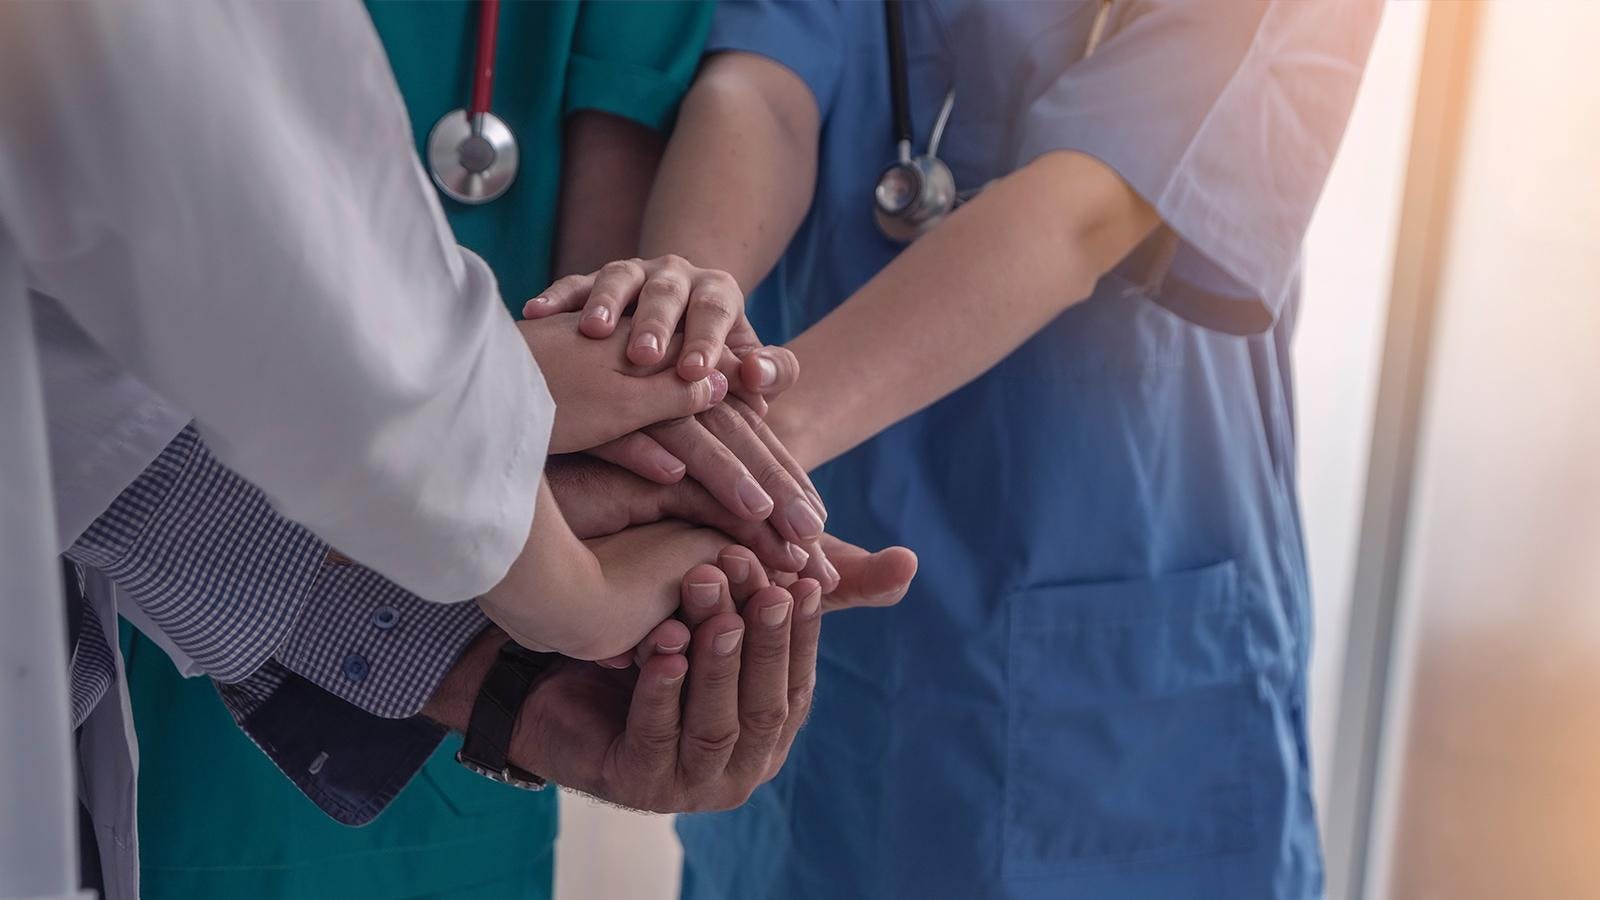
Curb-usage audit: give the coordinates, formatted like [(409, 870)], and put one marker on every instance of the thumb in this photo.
[(663, 396), (867, 579)]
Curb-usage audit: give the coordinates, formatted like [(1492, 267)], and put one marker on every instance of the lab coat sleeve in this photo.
[(1225, 117), (225, 197), (806, 38), (635, 59)]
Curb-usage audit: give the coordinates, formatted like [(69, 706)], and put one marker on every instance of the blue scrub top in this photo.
[(1096, 687)]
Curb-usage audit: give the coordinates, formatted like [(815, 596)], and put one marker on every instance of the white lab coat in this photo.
[(224, 198)]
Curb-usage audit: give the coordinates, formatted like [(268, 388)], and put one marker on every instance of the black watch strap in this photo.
[(487, 743)]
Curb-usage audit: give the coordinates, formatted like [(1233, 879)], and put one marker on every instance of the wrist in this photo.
[(451, 703)]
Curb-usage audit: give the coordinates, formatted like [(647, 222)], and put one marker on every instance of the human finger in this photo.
[(763, 683), (662, 301), (714, 464), (690, 501), (671, 636), (654, 400), (650, 739), (819, 567), (715, 305), (711, 713), (615, 287), (795, 514), (867, 579), (640, 454), (804, 634), (705, 593), (566, 295), (730, 365), (769, 371), (744, 571), (781, 453)]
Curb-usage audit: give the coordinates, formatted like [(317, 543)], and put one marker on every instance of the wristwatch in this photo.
[(486, 745)]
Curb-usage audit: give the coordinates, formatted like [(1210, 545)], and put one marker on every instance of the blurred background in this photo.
[(1449, 413)]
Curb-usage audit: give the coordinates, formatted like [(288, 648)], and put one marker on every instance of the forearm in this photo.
[(737, 176), (608, 163), (958, 301)]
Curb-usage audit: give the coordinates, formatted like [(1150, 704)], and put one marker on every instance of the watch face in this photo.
[(897, 188)]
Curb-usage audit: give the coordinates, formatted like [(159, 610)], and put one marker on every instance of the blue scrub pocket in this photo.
[(1132, 706)]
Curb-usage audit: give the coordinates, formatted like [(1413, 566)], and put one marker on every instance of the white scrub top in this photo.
[(224, 199)]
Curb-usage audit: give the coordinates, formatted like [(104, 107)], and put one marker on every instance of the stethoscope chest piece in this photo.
[(912, 196), (472, 161)]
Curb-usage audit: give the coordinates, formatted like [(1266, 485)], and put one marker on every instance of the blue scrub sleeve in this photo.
[(1224, 115), (804, 36), (635, 59)]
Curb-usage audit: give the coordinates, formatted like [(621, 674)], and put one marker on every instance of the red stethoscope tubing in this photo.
[(483, 71)]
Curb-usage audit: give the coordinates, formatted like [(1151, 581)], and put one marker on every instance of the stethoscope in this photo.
[(916, 193), (472, 154)]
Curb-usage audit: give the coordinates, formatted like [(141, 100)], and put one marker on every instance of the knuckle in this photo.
[(622, 268), (673, 261), (772, 472), (715, 742), (715, 307), (768, 717), (720, 417), (662, 286), (801, 697)]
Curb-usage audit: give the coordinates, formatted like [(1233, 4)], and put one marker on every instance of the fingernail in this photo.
[(727, 642), (803, 519), (719, 387), (885, 597), (753, 497), (735, 567), (537, 301), (832, 572), (672, 679), (798, 556), (694, 360), (669, 464), (704, 596), (599, 313), (774, 615), (768, 370), (648, 341), (810, 603), (670, 648)]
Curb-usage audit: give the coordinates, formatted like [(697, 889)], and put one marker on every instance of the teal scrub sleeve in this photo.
[(635, 59), (805, 37), (1225, 117)]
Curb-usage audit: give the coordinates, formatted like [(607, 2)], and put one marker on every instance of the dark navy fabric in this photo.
[(1096, 687)]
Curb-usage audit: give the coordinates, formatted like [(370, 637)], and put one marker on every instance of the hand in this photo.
[(682, 735), (600, 395), (599, 499), (599, 598), (730, 450), (669, 291), (863, 578)]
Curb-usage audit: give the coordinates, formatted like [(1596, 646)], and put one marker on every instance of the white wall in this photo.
[(1491, 766), (1348, 263), (605, 852)]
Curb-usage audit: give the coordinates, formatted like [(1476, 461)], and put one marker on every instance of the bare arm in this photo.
[(959, 300), (738, 174), (736, 181), (607, 165)]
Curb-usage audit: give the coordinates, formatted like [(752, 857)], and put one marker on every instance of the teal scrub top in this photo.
[(216, 820)]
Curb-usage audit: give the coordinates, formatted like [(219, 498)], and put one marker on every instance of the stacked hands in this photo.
[(676, 543)]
